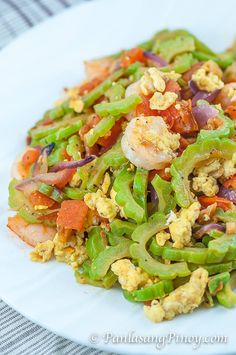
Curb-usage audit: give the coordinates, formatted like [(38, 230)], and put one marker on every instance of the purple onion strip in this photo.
[(204, 95), (229, 194), (72, 164), (209, 227), (202, 113), (154, 58)]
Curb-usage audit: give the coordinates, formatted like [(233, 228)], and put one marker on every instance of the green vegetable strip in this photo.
[(226, 216), (99, 130), (141, 236), (157, 290), (183, 166), (116, 92), (96, 242), (58, 154), (116, 108), (214, 268), (113, 158), (100, 90), (107, 282), (103, 261), (75, 193), (163, 190), (216, 283), (124, 197), (222, 62), (220, 249), (62, 133), (140, 189), (120, 227), (74, 146), (227, 297)]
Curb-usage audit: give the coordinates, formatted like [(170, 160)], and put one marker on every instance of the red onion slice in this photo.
[(29, 185), (202, 113), (209, 227), (193, 87), (229, 194), (204, 95), (72, 164), (41, 165), (156, 59)]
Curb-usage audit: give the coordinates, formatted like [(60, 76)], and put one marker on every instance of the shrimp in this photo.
[(227, 95), (99, 67), (132, 89), (147, 143), (32, 234)]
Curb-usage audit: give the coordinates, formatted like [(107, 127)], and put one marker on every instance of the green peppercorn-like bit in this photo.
[(96, 242), (116, 108), (183, 166), (124, 197), (166, 201), (148, 293), (100, 90), (138, 250), (217, 282), (105, 258)]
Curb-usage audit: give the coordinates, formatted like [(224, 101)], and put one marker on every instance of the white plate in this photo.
[(33, 70)]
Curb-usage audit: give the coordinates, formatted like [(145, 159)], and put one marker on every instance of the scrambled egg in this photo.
[(207, 80), (105, 206), (184, 299), (172, 75), (212, 67), (161, 101), (151, 81), (129, 276), (43, 251), (76, 180), (205, 180), (166, 141), (106, 183), (229, 167), (70, 248), (76, 104), (181, 229), (206, 184), (162, 238)]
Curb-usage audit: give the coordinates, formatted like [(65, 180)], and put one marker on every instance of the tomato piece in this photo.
[(88, 125), (172, 86), (89, 85), (231, 182), (132, 56), (231, 111), (162, 173), (111, 137), (36, 198), (30, 157), (221, 202), (181, 120), (187, 76), (143, 109), (72, 214), (65, 177)]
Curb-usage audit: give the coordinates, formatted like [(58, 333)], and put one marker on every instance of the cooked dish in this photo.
[(131, 177)]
